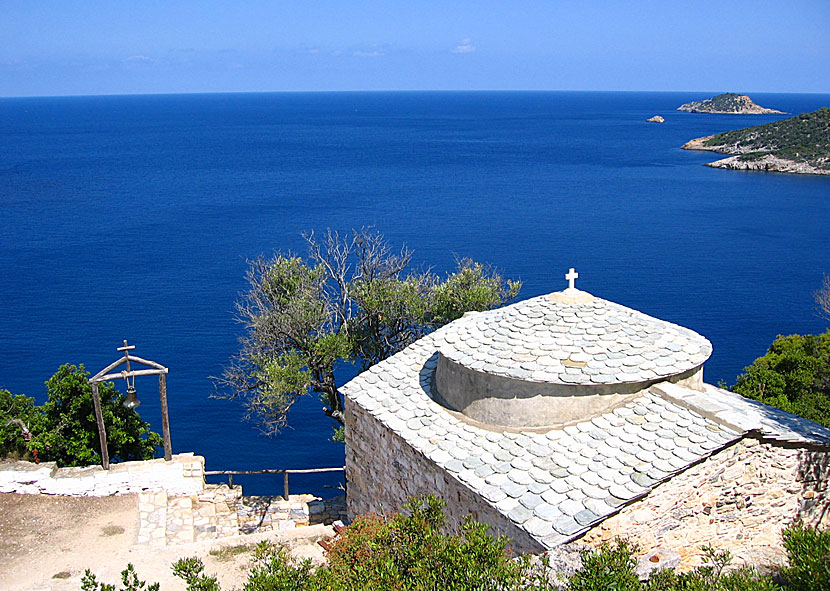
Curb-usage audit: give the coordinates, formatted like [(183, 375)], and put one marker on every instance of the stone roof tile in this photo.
[(586, 342)]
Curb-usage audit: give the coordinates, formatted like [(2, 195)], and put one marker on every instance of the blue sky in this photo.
[(121, 47)]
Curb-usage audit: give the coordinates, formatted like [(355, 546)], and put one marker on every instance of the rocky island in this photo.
[(728, 103), (800, 144)]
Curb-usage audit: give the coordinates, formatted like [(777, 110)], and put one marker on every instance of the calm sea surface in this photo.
[(133, 216)]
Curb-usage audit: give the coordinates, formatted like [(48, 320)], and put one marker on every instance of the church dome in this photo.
[(573, 340), (560, 357)]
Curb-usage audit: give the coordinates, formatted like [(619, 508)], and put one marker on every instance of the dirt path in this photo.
[(46, 543)]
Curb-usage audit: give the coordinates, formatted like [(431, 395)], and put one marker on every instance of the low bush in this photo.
[(410, 553), (129, 582), (808, 554), (18, 417), (64, 428), (794, 376)]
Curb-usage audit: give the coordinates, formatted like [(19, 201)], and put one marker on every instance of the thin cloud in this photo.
[(374, 53), (466, 46), (138, 58)]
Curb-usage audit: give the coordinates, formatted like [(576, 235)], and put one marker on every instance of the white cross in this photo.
[(570, 277)]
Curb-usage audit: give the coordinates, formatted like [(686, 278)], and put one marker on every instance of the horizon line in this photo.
[(367, 91)]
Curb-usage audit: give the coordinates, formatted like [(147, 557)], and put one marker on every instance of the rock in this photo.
[(564, 561), (768, 163), (658, 558), (656, 119)]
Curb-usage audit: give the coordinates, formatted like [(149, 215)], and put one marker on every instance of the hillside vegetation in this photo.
[(803, 138), (797, 144)]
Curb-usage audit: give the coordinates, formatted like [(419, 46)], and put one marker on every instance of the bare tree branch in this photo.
[(352, 299), (822, 297)]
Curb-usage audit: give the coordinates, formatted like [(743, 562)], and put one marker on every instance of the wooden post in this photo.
[(165, 419), (285, 483), (102, 431)]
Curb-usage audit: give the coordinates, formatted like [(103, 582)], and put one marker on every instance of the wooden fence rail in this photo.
[(285, 473)]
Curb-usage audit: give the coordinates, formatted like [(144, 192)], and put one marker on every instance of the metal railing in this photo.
[(230, 474)]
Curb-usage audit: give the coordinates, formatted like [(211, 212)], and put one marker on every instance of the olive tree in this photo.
[(352, 299)]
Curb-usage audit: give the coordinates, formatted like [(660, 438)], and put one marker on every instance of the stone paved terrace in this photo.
[(556, 483), (175, 505), (577, 339)]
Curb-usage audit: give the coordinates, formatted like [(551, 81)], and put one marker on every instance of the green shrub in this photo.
[(794, 376), (808, 554), (611, 567), (191, 571), (18, 418), (409, 553), (275, 571), (711, 577), (64, 428), (129, 582)]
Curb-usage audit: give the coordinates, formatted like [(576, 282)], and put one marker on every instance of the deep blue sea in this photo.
[(133, 216)]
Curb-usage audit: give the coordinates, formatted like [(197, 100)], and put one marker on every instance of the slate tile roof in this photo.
[(587, 342), (747, 415), (557, 483), (554, 484)]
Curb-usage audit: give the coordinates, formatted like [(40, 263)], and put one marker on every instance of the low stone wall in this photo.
[(183, 475), (738, 500), (383, 473), (276, 513)]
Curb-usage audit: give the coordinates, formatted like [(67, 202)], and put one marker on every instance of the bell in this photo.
[(131, 401)]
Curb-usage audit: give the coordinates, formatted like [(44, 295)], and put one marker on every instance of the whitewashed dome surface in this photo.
[(578, 340)]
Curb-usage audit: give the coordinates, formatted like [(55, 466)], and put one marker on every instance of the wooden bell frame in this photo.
[(105, 375)]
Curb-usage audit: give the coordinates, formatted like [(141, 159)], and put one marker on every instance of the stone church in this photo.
[(568, 419)]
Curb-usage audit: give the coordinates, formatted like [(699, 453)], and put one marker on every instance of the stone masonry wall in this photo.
[(383, 473), (739, 499), (183, 475)]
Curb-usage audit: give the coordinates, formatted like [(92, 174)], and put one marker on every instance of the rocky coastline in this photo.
[(764, 163)]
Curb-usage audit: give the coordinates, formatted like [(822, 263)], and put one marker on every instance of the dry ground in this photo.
[(46, 543)]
